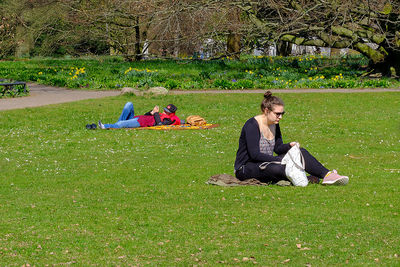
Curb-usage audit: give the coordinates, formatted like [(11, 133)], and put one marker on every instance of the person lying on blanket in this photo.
[(151, 118)]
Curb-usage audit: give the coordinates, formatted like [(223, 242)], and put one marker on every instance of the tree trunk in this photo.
[(233, 45), (283, 48), (389, 66), (24, 42), (138, 50)]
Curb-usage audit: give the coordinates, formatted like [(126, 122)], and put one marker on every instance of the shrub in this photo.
[(344, 84), (206, 75), (159, 78), (190, 85), (57, 81), (223, 84), (251, 72), (376, 83), (171, 84), (243, 84), (145, 82)]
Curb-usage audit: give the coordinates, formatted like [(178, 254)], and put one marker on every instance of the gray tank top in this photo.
[(267, 146)]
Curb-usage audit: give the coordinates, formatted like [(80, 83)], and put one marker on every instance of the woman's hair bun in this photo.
[(267, 94)]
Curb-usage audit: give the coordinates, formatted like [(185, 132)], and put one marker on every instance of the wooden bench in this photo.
[(10, 87)]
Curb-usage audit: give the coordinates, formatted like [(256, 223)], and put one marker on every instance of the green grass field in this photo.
[(129, 197)]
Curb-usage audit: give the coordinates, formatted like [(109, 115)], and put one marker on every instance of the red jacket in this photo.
[(172, 117), (148, 120)]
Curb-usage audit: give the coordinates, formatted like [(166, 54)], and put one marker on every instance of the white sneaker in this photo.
[(101, 126)]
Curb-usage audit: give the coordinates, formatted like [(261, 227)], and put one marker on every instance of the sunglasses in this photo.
[(278, 114)]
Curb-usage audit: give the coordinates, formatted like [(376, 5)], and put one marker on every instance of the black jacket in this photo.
[(249, 145), (157, 119)]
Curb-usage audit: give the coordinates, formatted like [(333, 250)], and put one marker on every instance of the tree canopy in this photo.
[(371, 27), (129, 27)]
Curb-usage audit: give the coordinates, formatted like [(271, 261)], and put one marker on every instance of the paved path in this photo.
[(41, 95)]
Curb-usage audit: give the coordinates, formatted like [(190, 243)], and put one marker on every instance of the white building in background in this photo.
[(300, 50), (258, 52), (272, 50), (303, 50), (145, 50), (211, 47)]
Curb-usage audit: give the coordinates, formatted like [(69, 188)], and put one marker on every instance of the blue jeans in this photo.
[(126, 119)]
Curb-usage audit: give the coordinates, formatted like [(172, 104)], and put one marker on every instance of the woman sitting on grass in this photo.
[(261, 137), (151, 118)]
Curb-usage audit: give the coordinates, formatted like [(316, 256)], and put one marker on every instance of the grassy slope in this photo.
[(124, 196)]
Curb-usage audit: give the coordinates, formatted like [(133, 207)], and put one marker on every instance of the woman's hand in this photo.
[(155, 109), (294, 143)]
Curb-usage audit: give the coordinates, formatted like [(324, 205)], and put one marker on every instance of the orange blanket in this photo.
[(178, 127)]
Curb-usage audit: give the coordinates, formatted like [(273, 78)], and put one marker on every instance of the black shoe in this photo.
[(92, 126)]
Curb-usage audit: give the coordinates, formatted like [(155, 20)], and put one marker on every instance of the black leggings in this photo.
[(275, 172)]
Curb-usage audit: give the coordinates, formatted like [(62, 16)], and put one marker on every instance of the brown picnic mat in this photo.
[(179, 127), (229, 180)]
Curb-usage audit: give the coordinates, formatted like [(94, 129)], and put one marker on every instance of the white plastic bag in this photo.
[(294, 169)]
